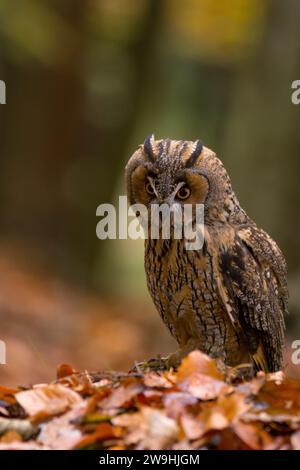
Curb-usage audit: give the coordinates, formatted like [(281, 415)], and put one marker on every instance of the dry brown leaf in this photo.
[(228, 440), (121, 396), (79, 382), (4, 411), (148, 429), (278, 401), (47, 399), (117, 447), (198, 363), (22, 426), (202, 386), (252, 387), (11, 436), (102, 432), (60, 433), (29, 445), (266, 417), (102, 383), (233, 406), (64, 370), (280, 397), (213, 418), (160, 430), (224, 412), (153, 379), (199, 376), (253, 435), (185, 445), (277, 377), (8, 394), (176, 403), (295, 440), (192, 426)]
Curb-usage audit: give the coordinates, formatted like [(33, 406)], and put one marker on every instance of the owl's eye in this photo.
[(149, 188), (183, 193)]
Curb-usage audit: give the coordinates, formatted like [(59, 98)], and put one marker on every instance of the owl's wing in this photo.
[(254, 274)]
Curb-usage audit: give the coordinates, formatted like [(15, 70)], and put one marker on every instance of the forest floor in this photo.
[(202, 405)]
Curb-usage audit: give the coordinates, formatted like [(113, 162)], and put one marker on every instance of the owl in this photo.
[(228, 298)]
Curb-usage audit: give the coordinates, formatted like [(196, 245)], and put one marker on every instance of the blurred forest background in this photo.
[(86, 81)]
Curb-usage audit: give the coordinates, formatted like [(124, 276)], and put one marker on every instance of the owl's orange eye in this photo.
[(149, 188), (183, 193)]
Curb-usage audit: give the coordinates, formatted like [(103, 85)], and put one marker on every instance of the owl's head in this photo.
[(178, 171)]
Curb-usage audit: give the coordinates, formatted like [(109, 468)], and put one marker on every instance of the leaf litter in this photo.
[(202, 405)]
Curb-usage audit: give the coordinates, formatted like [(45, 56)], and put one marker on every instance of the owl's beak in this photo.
[(168, 200)]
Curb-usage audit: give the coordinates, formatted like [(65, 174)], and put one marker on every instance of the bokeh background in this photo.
[(86, 81)]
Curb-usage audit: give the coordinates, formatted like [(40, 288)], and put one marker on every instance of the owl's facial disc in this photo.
[(189, 187), (195, 188), (182, 192), (143, 189), (160, 195), (150, 187)]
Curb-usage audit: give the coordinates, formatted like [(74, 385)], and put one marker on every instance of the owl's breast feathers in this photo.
[(231, 295)]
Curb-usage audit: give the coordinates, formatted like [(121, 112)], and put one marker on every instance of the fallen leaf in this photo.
[(120, 396), (152, 379), (64, 370), (200, 363), (213, 418), (234, 406), (47, 399), (202, 386), (277, 401), (60, 433), (277, 377), (8, 394), (225, 411), (185, 445), (176, 403), (266, 417), (22, 426), (3, 410), (80, 383), (281, 396), (252, 387), (253, 435), (228, 440), (295, 440), (11, 436), (192, 426), (148, 429), (199, 376), (117, 447), (102, 432), (29, 445)]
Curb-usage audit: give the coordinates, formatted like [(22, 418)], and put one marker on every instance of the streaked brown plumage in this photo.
[(227, 299)]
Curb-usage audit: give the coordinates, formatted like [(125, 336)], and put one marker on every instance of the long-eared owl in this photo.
[(228, 298)]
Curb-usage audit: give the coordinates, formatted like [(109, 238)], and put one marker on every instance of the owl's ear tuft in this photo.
[(195, 153), (149, 147)]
